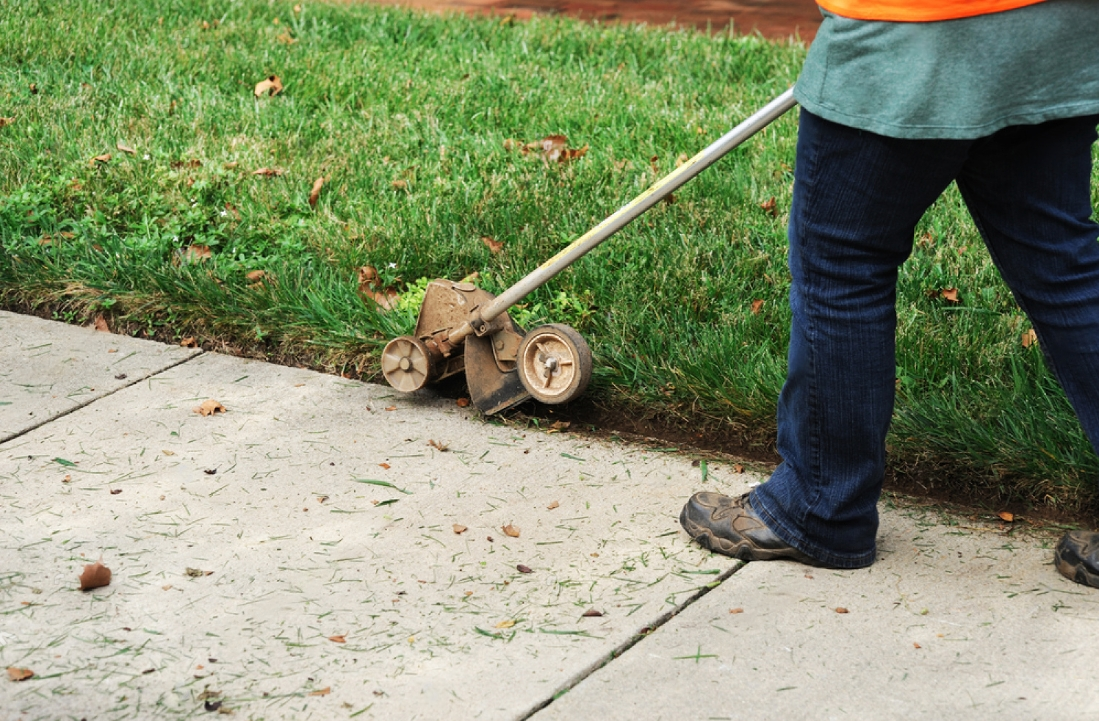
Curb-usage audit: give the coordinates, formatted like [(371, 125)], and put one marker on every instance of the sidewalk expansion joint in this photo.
[(626, 645), (107, 394)]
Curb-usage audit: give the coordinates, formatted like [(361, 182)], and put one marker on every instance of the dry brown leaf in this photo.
[(681, 160), (841, 609), (757, 306), (384, 465), (189, 342), (494, 245), (523, 569), (513, 144), (916, 645), (950, 295), (255, 276), (736, 610), (105, 158), (315, 193), (400, 184), (95, 575), (459, 528), (192, 163), (321, 691), (100, 324), (116, 491), (286, 38), (269, 86), (391, 408), (462, 402), (510, 530), (506, 624), (229, 166), (197, 253), (209, 408), (770, 207), (552, 505), (125, 148), (338, 638), (370, 289), (738, 468), (6, 121), (166, 587), (441, 447), (67, 479), (1006, 516), (1029, 338), (19, 674), (591, 613), (268, 172)]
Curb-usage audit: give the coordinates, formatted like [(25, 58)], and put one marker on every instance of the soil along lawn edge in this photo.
[(154, 172)]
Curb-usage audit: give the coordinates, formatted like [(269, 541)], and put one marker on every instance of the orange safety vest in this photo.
[(909, 11)]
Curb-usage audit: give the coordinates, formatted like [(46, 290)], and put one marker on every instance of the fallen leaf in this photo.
[(67, 479), (560, 426), (400, 184), (33, 87), (101, 324), (1029, 338), (738, 468), (105, 158), (442, 447), (459, 528), (462, 402), (506, 624), (512, 144), (681, 160), (286, 38), (770, 207), (950, 295), (391, 408), (197, 572), (125, 148), (523, 569), (166, 587), (95, 575), (6, 121), (757, 306), (916, 645), (188, 342), (209, 408), (736, 610), (386, 466), (322, 499), (338, 639), (229, 166), (321, 691), (1006, 516), (510, 530), (315, 193), (494, 245), (552, 505), (591, 613), (370, 288), (269, 86), (19, 674), (268, 172), (116, 491), (192, 163), (255, 276), (197, 253), (841, 609), (555, 149)]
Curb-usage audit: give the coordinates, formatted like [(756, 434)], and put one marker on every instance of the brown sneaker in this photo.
[(729, 526), (1077, 557)]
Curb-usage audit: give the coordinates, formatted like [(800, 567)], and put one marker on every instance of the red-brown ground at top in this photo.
[(771, 18)]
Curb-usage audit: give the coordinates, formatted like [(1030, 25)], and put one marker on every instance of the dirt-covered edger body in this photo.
[(462, 327)]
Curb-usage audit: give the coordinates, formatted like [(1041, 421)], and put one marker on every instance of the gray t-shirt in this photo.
[(963, 78)]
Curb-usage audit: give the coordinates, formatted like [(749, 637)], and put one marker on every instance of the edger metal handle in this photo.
[(659, 190)]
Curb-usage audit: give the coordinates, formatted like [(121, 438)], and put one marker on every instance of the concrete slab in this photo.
[(296, 556), (48, 369), (956, 620)]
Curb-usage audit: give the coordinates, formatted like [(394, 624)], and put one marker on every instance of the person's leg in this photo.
[(1029, 191), (857, 199)]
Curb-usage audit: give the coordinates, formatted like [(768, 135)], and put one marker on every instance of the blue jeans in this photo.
[(857, 199)]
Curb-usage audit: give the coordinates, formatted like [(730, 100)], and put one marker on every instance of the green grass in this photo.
[(379, 95)]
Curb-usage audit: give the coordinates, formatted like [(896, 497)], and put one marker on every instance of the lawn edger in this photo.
[(463, 327)]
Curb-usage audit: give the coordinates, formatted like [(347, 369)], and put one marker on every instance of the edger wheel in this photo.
[(406, 364), (554, 363)]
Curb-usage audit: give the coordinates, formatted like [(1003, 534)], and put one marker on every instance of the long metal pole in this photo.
[(659, 190)]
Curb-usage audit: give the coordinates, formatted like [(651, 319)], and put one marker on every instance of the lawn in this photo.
[(143, 180)]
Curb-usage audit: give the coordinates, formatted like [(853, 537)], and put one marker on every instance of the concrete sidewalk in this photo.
[(331, 549)]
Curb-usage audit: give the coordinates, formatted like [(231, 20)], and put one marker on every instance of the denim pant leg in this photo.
[(1029, 191), (857, 199)]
